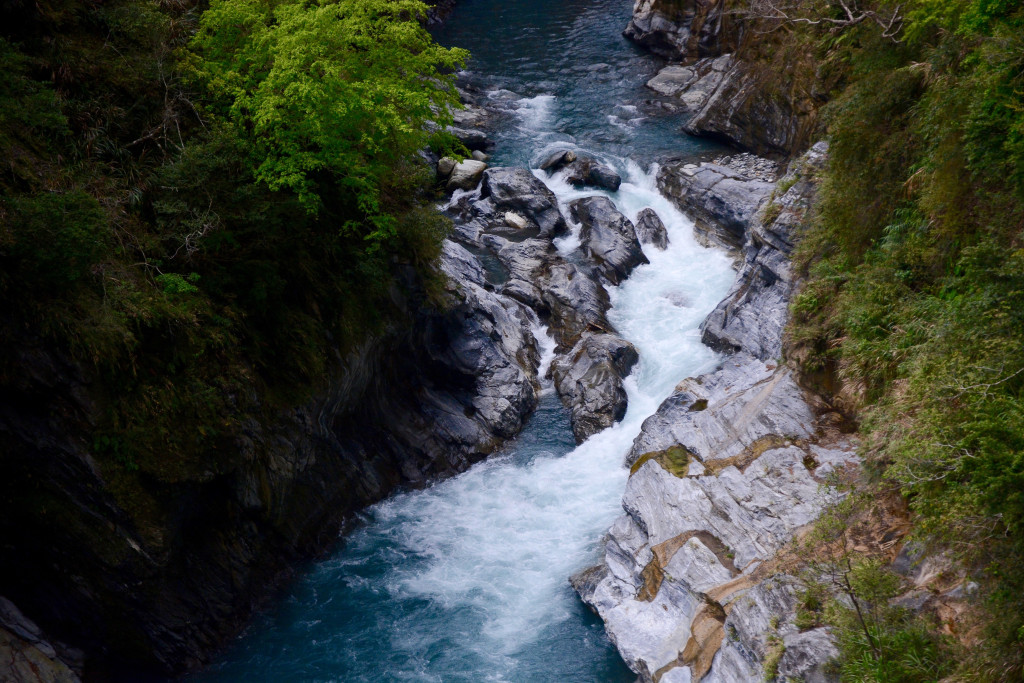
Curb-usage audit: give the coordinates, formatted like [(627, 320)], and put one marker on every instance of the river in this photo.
[(466, 580)]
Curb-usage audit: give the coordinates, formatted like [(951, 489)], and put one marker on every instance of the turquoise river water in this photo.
[(466, 580)]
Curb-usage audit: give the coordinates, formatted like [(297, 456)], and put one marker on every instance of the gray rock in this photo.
[(755, 311), (574, 302), (26, 656), (587, 170), (589, 382), (466, 175), (473, 139), (517, 189), (608, 237), (650, 229), (722, 202), (745, 109), (557, 160), (723, 476), (678, 28), (693, 85), (445, 166), (477, 155), (760, 622)]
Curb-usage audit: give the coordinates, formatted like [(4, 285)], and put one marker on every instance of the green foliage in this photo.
[(343, 89), (203, 213), (50, 241), (915, 292), (878, 641)]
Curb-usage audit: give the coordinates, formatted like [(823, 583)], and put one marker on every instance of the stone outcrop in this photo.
[(746, 108), (723, 476), (692, 85), (591, 360), (26, 656), (722, 201), (676, 29), (753, 314), (724, 77)]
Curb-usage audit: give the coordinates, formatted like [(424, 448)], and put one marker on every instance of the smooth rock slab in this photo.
[(722, 202)]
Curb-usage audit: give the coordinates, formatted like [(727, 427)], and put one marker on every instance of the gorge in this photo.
[(653, 362)]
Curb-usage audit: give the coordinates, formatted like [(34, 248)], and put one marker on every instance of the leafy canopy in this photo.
[(329, 95)]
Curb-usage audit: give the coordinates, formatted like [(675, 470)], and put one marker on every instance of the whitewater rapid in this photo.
[(467, 580)]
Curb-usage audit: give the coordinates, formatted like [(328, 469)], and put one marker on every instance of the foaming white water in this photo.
[(495, 545), (536, 112)]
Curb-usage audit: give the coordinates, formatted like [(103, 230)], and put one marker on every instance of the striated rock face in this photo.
[(692, 85), (724, 78), (743, 107), (591, 360), (722, 201), (27, 657), (726, 473), (752, 316), (676, 29)]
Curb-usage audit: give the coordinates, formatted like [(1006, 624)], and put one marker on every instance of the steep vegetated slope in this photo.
[(223, 323), (909, 317)]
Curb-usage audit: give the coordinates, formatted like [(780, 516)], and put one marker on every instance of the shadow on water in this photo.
[(466, 580)]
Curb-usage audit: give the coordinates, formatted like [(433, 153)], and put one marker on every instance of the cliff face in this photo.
[(693, 584), (737, 85), (154, 577), (681, 29)]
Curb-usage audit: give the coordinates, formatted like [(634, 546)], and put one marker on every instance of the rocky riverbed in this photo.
[(731, 468)]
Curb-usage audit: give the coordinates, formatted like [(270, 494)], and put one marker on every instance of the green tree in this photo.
[(328, 95)]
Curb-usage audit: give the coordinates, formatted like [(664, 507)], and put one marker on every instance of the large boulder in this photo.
[(650, 229), (586, 170), (589, 381), (466, 175), (557, 160), (722, 201), (517, 189), (608, 237)]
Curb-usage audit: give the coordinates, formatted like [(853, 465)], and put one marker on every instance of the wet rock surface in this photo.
[(608, 238), (722, 201), (591, 360), (650, 229), (723, 476), (754, 313), (517, 189), (589, 378)]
